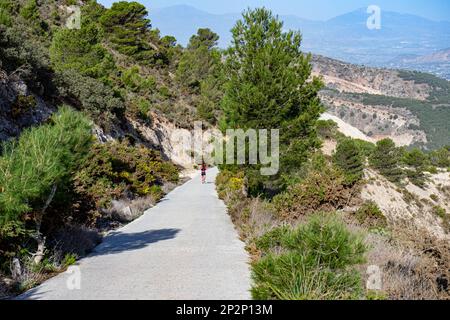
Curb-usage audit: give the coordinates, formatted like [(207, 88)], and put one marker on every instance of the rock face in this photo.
[(347, 129), (346, 77), (19, 107), (179, 145), (411, 204), (346, 83), (377, 122)]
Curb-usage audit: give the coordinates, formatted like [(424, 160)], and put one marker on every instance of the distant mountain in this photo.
[(345, 37)]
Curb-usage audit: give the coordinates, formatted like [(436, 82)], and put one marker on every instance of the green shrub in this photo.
[(385, 158), (113, 168), (273, 238), (69, 259), (376, 295), (81, 50), (322, 190), (144, 107), (442, 213), (134, 82), (22, 105), (165, 92), (315, 263), (432, 169), (93, 96), (229, 181), (366, 148), (326, 238), (42, 157), (417, 161), (370, 215), (441, 157), (327, 128), (416, 177), (30, 10), (414, 158), (292, 276), (5, 18), (349, 158)]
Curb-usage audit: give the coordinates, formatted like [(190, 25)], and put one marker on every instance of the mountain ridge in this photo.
[(338, 38)]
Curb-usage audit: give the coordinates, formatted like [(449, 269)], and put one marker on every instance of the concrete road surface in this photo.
[(186, 247)]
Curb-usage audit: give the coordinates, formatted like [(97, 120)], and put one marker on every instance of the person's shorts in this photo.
[(203, 173)]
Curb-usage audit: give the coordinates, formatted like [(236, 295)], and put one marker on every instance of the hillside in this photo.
[(86, 117), (412, 108), (96, 125)]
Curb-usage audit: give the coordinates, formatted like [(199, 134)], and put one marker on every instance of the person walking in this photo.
[(203, 171)]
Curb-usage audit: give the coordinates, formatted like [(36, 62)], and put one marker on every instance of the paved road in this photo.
[(186, 247)]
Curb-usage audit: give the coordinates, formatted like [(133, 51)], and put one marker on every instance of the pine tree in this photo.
[(81, 50), (269, 86), (128, 27), (417, 161), (200, 60), (204, 38), (386, 159), (348, 157), (42, 157), (200, 71)]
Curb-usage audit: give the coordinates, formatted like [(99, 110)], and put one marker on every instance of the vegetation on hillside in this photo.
[(58, 184), (433, 116), (269, 86), (291, 221)]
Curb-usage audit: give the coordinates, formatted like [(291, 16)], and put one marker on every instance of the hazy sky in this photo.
[(311, 9)]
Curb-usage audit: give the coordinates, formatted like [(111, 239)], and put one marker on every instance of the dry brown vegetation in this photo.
[(414, 264)]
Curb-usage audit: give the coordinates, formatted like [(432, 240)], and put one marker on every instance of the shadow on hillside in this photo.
[(118, 242)]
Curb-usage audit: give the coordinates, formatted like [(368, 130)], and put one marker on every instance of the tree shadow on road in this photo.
[(114, 243), (118, 242)]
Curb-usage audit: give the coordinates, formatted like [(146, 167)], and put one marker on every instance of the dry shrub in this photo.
[(253, 217), (402, 277), (4, 287), (126, 210), (415, 265), (322, 190), (78, 240)]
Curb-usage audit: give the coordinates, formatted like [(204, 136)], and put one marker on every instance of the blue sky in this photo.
[(311, 9)]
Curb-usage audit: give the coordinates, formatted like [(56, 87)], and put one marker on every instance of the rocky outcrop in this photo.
[(411, 204), (346, 77), (19, 107), (179, 145), (344, 82), (376, 122)]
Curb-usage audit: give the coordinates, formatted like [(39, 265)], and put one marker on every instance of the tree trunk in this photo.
[(39, 254), (16, 269)]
